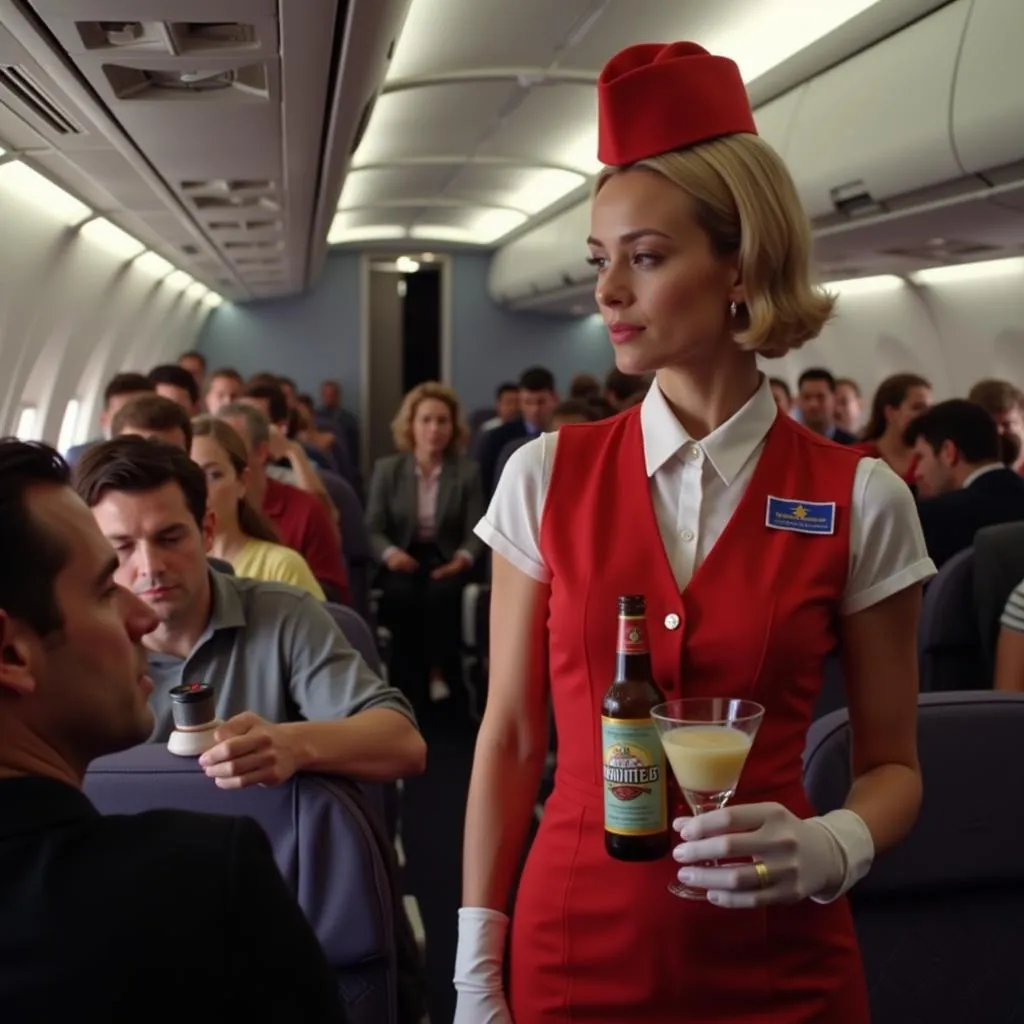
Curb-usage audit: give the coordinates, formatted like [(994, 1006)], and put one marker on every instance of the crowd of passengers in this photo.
[(278, 466)]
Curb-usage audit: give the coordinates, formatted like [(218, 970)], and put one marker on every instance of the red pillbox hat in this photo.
[(655, 99)]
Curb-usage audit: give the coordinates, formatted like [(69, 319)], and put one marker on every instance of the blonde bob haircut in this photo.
[(748, 205), (401, 425)]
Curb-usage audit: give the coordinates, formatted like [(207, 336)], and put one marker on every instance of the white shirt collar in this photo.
[(991, 467), (727, 447)]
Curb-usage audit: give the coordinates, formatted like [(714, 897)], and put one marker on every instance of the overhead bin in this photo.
[(550, 257), (988, 104), (879, 124), (776, 121)]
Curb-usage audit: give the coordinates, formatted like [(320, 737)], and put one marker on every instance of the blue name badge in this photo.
[(816, 517)]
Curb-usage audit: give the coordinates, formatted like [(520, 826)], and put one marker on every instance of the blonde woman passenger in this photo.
[(422, 507), (758, 546), (242, 536)]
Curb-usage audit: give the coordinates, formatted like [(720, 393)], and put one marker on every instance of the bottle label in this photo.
[(634, 777), (632, 638)]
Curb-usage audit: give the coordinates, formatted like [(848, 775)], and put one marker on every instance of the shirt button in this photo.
[(694, 454), (672, 621), (687, 535)]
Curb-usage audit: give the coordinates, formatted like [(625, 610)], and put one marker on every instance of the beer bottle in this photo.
[(636, 826)]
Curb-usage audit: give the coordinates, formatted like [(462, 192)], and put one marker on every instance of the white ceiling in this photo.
[(216, 132), (486, 124)]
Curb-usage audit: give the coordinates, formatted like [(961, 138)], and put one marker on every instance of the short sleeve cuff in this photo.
[(917, 572), (501, 545)]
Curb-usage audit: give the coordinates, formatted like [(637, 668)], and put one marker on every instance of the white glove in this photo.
[(478, 964), (820, 858)]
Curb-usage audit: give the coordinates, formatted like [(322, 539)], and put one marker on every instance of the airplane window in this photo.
[(26, 428), (69, 426)]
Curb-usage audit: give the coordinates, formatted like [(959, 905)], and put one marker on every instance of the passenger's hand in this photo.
[(460, 563), (401, 561), (800, 858), (478, 960), (249, 751)]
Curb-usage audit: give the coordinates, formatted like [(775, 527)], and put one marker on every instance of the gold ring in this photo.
[(762, 874)]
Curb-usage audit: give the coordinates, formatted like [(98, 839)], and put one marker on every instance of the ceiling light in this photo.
[(196, 291), (69, 425), (443, 233), (111, 238), (31, 187), (486, 229), (959, 273), (213, 300), (341, 233), (405, 265), (154, 265), (866, 285), (179, 279), (765, 34), (541, 187)]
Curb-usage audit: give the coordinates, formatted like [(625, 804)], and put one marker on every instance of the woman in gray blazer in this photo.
[(422, 507)]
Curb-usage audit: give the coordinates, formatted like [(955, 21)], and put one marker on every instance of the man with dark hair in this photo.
[(1005, 404), (962, 480), (620, 388), (223, 387), (291, 691), (120, 389), (816, 397), (849, 406), (334, 416), (537, 399), (80, 891), (782, 395), (177, 384), (156, 418), (195, 363)]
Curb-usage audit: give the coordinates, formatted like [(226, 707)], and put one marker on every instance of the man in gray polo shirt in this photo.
[(292, 693)]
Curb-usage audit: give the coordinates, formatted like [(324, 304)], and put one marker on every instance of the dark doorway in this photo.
[(421, 327)]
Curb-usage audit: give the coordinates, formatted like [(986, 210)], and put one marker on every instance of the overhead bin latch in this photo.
[(855, 200)]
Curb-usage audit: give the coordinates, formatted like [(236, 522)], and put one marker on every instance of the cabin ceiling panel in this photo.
[(383, 184), (433, 121), (15, 134), (453, 34), (554, 124)]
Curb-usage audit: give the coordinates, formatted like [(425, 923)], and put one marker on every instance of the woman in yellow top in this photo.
[(241, 535)]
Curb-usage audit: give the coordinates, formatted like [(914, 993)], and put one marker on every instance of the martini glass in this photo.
[(706, 741)]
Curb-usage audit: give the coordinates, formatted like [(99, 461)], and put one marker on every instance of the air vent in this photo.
[(270, 245), (17, 82), (190, 249), (245, 225), (222, 186), (854, 200), (168, 37), (945, 248), (263, 204), (244, 83)]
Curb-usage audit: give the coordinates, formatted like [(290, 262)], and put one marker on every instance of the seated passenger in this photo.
[(298, 518), (291, 691), (897, 400), (223, 387), (177, 384), (1009, 674), (241, 535), (156, 418), (422, 508), (96, 922), (121, 389), (961, 476)]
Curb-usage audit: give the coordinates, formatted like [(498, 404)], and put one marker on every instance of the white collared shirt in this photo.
[(696, 487), (981, 472)]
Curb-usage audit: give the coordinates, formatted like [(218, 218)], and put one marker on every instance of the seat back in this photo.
[(220, 565), (383, 795), (948, 645), (355, 540), (325, 844), (939, 915), (998, 568)]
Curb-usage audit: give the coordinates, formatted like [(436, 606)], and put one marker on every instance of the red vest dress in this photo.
[(599, 941)]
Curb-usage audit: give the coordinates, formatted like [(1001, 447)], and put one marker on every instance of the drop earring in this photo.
[(732, 310)]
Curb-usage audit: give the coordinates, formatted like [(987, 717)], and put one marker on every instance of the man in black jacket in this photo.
[(963, 483), (537, 400), (115, 918)]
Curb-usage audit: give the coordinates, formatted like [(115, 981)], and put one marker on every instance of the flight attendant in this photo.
[(702, 253), (897, 401)]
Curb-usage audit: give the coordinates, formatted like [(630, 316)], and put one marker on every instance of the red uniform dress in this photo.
[(598, 941)]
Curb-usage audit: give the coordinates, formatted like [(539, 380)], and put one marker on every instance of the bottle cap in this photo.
[(192, 705)]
